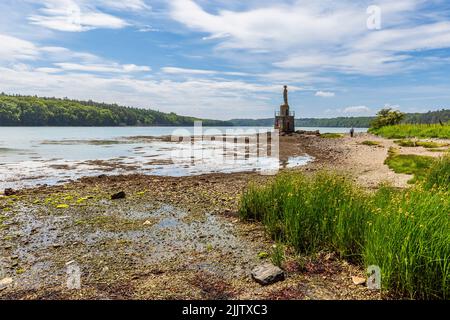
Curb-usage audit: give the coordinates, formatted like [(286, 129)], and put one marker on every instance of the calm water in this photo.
[(47, 155)]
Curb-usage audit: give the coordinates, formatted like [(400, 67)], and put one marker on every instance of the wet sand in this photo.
[(172, 238)]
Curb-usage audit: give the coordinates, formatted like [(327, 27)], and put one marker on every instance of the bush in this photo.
[(387, 117)]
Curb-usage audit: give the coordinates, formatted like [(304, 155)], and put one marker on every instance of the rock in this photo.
[(267, 274), (119, 195), (359, 281), (9, 192), (147, 223), (4, 283)]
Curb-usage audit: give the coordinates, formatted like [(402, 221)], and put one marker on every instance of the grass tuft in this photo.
[(370, 143), (331, 135), (409, 164)]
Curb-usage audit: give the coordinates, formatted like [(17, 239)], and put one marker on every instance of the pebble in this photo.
[(4, 283), (358, 280), (267, 274)]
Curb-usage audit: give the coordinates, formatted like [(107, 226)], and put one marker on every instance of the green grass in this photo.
[(370, 143), (331, 135), (409, 164), (403, 131), (406, 233), (439, 174), (425, 144)]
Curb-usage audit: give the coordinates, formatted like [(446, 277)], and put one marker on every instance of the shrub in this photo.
[(387, 117)]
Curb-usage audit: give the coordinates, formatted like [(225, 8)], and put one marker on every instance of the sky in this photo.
[(225, 59)]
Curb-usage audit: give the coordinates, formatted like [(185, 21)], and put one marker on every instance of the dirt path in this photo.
[(171, 237), (366, 163)]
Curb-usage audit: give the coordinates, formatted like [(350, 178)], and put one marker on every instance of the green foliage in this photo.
[(409, 164), (277, 255), (370, 143), (439, 174), (347, 122), (331, 135), (34, 111), (404, 131), (387, 117), (425, 144), (409, 239), (406, 233)]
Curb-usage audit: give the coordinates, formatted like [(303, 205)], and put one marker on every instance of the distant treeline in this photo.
[(18, 110), (34, 111), (357, 122)]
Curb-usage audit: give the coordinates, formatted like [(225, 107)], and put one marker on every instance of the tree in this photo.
[(387, 117)]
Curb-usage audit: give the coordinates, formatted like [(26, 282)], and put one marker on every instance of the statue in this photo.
[(285, 95)]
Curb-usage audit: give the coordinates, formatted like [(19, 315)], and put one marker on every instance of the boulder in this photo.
[(119, 195), (267, 274)]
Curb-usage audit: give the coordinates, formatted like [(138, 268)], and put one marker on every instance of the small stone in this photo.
[(105, 269), (119, 195), (330, 256), (359, 281), (4, 283), (9, 192), (267, 274), (70, 262)]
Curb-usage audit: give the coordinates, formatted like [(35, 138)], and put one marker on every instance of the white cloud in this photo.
[(13, 49), (357, 109), (102, 68), (131, 5), (74, 16), (187, 71), (219, 99), (322, 36), (325, 94), (174, 70)]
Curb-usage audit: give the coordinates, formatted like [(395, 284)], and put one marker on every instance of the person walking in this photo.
[(352, 132)]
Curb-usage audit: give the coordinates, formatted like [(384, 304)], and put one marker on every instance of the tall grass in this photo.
[(402, 131), (439, 174), (409, 239), (406, 233), (310, 213)]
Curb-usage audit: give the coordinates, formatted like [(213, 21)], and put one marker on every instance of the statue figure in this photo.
[(285, 95)]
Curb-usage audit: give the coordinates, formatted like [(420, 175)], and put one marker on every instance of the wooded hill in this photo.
[(35, 111)]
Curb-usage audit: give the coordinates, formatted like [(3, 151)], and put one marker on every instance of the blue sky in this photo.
[(228, 59)]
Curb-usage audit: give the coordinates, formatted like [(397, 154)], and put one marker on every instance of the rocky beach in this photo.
[(174, 237)]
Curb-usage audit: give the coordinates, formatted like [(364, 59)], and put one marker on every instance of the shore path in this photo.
[(172, 238)]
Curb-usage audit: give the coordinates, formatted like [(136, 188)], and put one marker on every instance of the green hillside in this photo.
[(35, 111)]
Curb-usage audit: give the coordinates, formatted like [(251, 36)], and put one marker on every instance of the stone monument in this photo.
[(284, 119)]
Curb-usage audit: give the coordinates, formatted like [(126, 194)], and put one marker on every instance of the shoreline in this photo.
[(169, 237)]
